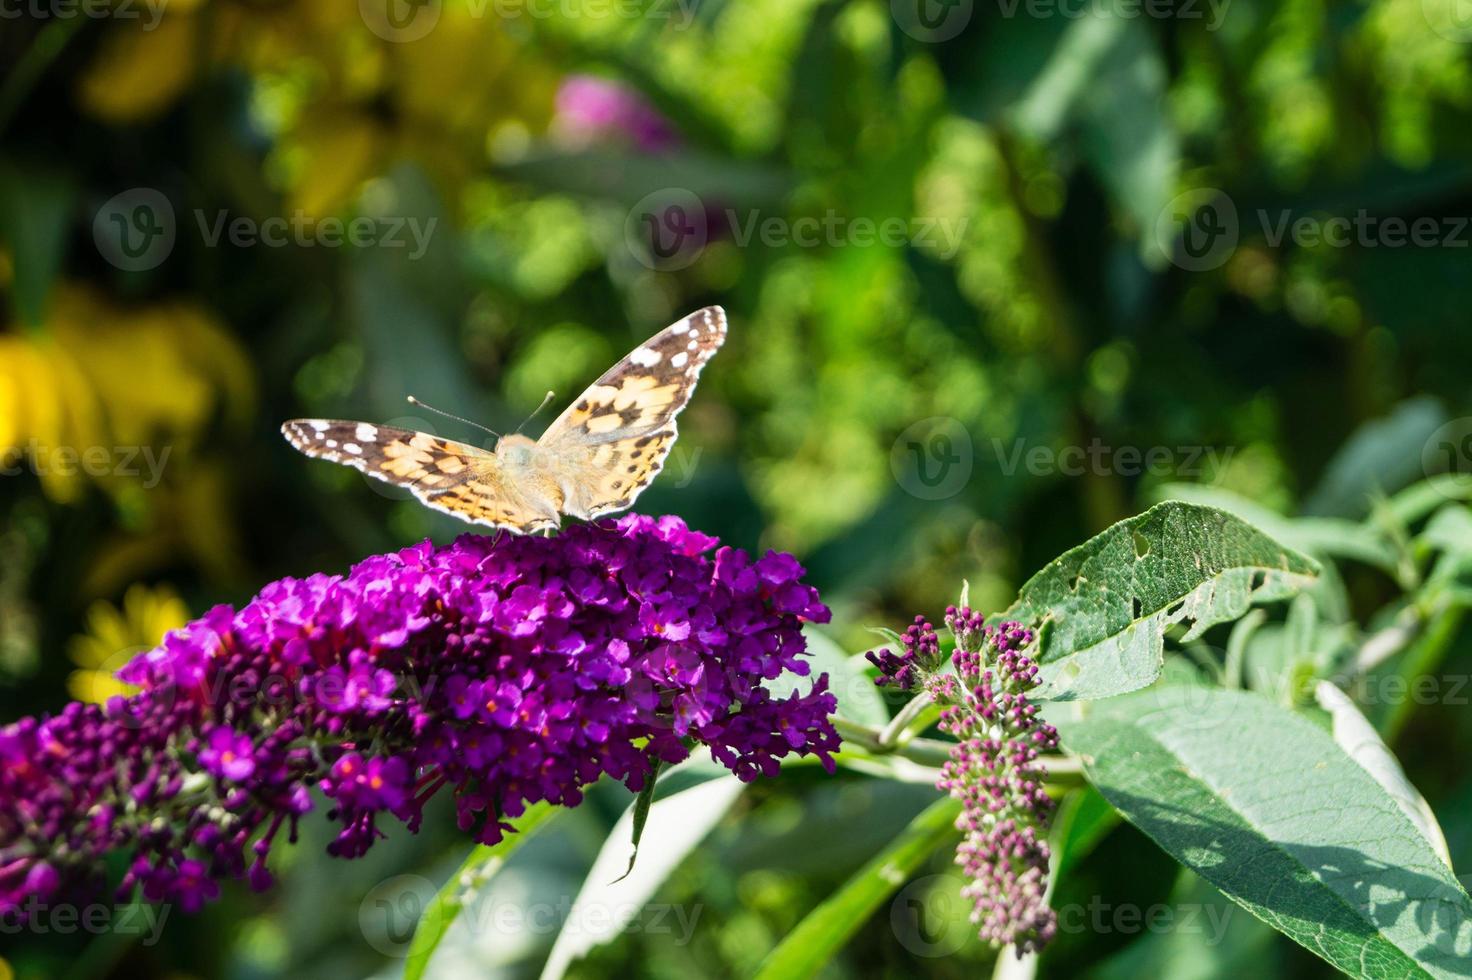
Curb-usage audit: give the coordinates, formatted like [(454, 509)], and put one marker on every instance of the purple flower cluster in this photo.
[(995, 773), (919, 653), (513, 670), (994, 769)]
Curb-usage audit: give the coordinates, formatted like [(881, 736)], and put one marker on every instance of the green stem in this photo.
[(894, 732)]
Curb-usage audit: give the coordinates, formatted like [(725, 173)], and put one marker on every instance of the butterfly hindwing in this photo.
[(449, 476), (612, 441)]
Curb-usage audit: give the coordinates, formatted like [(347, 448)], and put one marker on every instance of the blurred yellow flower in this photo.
[(343, 102), (111, 394), (115, 634)]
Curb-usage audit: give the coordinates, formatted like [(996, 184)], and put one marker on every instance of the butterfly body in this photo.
[(595, 459)]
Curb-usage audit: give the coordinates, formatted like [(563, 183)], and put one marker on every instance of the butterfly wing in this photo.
[(449, 476), (612, 441)]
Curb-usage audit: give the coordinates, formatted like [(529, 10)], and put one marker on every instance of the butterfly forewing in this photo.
[(612, 441)]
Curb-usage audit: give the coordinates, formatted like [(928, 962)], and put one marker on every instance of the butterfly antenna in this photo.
[(420, 404), (545, 400)]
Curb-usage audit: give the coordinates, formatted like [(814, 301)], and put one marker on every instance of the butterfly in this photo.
[(595, 459)]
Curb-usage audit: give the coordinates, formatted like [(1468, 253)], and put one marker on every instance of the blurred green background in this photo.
[(980, 260)]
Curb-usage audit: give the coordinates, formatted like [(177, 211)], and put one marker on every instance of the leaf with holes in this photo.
[(1102, 609)]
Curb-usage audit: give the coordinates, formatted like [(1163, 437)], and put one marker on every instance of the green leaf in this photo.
[(484, 862), (1107, 603), (1324, 537), (1262, 803), (1383, 455), (1449, 530), (35, 211), (1201, 936), (826, 928), (678, 822), (1358, 738), (848, 677), (640, 813)]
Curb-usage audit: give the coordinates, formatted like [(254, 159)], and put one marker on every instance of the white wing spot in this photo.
[(367, 433), (679, 359), (319, 425), (680, 329), (693, 345), (331, 443), (352, 447), (644, 357)]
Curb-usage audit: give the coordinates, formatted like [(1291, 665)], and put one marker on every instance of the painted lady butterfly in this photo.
[(595, 459)]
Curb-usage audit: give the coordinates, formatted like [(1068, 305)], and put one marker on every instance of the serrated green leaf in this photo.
[(1266, 806), (825, 929), (1109, 601), (482, 864)]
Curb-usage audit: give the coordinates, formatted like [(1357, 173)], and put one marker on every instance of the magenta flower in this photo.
[(510, 671), (593, 109), (227, 754)]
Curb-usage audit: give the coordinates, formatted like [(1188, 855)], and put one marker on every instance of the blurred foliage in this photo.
[(1030, 306)]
